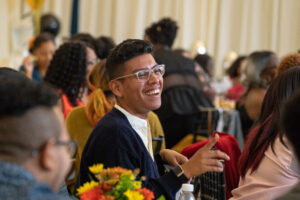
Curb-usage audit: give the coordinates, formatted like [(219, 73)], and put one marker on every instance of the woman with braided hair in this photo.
[(67, 73)]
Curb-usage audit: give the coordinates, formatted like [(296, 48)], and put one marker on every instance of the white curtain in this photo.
[(223, 25)]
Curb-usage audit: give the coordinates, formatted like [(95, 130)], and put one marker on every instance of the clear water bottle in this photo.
[(187, 192)]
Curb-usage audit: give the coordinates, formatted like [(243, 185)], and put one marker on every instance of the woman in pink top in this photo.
[(267, 165)]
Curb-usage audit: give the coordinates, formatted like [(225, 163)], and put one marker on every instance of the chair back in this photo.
[(206, 122), (228, 144), (210, 186)]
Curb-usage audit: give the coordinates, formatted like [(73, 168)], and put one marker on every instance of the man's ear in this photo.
[(48, 156), (116, 87)]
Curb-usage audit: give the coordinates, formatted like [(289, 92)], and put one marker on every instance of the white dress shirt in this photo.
[(141, 126)]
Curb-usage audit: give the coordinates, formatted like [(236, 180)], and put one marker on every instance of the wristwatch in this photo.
[(178, 171)]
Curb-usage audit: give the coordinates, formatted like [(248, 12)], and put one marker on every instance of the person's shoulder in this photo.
[(111, 125), (113, 118), (78, 124), (152, 116), (113, 130), (47, 194), (291, 195), (76, 113), (256, 95)]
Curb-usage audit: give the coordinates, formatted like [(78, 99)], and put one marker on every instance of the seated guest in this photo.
[(122, 137), (182, 52), (81, 120), (67, 73), (266, 165), (259, 71), (205, 70), (290, 127), (235, 73), (288, 62), (36, 65), (86, 38), (182, 92), (103, 45), (35, 148)]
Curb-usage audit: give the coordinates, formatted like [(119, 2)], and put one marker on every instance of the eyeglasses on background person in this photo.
[(71, 146)]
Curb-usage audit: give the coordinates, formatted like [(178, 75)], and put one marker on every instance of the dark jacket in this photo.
[(114, 142), (17, 183)]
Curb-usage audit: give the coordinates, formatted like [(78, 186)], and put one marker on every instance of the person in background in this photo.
[(288, 62), (235, 73), (206, 63), (259, 69), (32, 168), (266, 165), (68, 71), (41, 49), (205, 70), (50, 24), (182, 92), (103, 46), (85, 38), (182, 52), (290, 127), (82, 119)]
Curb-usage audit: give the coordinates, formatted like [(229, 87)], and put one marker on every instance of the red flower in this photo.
[(148, 194), (92, 194)]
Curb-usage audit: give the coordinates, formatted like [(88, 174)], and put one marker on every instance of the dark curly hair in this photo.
[(85, 38), (67, 70), (128, 49), (163, 32), (7, 73), (288, 62), (103, 46), (20, 95)]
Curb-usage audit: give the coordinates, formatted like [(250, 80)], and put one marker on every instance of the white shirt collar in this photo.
[(139, 125)]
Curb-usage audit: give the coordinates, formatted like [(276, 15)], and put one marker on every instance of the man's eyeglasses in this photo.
[(144, 75)]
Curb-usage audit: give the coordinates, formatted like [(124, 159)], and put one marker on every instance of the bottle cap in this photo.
[(187, 187)]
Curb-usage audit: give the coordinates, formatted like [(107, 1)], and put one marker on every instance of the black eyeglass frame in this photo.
[(70, 144)]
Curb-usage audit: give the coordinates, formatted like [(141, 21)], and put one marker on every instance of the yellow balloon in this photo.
[(34, 4)]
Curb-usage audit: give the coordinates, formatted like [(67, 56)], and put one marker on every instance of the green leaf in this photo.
[(161, 198)]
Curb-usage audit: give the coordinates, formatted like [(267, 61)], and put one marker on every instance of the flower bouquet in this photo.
[(114, 183)]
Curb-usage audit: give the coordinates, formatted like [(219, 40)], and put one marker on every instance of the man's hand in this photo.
[(172, 157), (205, 160)]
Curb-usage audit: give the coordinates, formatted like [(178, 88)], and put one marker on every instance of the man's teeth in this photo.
[(152, 92)]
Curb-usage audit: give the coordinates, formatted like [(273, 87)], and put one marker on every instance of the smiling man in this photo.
[(123, 137)]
